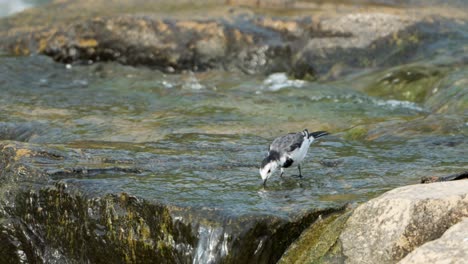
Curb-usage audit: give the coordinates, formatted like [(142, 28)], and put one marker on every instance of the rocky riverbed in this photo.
[(131, 132)]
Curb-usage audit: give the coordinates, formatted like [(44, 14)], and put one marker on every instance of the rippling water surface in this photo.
[(198, 138)]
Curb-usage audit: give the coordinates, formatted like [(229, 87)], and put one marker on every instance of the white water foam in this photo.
[(277, 81), (399, 104), (192, 83)]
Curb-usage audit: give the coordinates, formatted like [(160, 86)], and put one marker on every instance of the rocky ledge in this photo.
[(44, 218), (315, 43)]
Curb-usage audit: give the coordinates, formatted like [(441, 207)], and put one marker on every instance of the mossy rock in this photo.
[(46, 218), (109, 229), (356, 133), (409, 83), (318, 243)]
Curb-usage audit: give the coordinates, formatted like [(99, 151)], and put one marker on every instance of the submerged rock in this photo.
[(450, 96), (20, 131), (387, 228), (414, 84)]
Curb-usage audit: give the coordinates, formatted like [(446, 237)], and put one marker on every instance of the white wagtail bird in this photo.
[(286, 151)]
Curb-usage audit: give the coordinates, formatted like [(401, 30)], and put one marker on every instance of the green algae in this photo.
[(319, 242), (408, 83), (356, 133), (267, 240), (124, 229)]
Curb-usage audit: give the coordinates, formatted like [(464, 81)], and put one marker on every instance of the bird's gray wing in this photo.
[(287, 143)]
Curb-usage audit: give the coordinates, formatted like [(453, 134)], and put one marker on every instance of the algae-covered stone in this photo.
[(356, 133), (316, 243), (45, 218), (122, 228), (414, 84), (106, 229)]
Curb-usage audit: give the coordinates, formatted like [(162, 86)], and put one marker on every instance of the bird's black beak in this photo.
[(264, 182)]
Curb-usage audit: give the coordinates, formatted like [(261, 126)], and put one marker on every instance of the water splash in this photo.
[(212, 245), (192, 83), (278, 81)]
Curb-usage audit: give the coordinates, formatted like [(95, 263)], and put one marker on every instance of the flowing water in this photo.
[(197, 138)]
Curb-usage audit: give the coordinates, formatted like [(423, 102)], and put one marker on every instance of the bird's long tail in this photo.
[(318, 134)]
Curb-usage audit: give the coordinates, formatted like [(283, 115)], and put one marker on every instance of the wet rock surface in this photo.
[(19, 131), (319, 242), (44, 218), (324, 46), (452, 177), (387, 228), (50, 224)]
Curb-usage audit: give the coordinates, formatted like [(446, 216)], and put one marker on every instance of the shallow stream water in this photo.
[(178, 154), (197, 138)]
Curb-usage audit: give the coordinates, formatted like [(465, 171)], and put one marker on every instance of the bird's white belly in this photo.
[(299, 154)]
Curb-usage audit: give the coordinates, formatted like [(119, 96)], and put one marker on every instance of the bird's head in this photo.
[(269, 165)]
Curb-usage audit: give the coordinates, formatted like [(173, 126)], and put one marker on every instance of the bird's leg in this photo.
[(282, 171), (300, 173)]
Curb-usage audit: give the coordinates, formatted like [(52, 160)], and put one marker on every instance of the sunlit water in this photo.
[(198, 138), (8, 7)]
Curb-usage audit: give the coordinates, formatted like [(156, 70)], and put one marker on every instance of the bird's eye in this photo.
[(269, 171)]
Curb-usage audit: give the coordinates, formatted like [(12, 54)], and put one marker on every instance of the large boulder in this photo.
[(452, 247), (387, 228)]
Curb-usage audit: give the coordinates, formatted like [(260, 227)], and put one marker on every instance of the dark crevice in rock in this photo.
[(452, 177)]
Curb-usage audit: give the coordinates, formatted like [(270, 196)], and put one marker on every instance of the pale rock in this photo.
[(387, 228), (451, 248)]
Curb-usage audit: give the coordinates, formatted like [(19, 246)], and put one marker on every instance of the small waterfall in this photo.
[(212, 245)]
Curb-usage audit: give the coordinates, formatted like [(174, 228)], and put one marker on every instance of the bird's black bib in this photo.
[(287, 163)]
